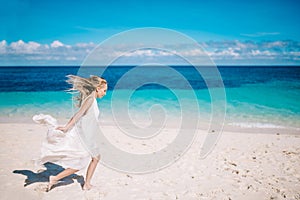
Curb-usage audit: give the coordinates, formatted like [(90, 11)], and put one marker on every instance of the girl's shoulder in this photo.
[(88, 101)]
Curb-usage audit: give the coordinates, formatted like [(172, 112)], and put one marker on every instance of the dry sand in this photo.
[(242, 166)]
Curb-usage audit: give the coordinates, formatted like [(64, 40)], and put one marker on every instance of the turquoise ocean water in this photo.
[(256, 97)]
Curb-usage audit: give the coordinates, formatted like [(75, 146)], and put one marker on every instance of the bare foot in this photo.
[(52, 181), (87, 186)]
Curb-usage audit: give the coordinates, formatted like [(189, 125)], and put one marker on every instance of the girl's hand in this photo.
[(62, 128)]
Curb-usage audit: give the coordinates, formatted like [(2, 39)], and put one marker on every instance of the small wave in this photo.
[(256, 125)]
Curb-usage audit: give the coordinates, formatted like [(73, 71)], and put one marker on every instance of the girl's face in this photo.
[(101, 92)]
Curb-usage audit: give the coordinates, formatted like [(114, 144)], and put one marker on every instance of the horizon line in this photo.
[(126, 65)]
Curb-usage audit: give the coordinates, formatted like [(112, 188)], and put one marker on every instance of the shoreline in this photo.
[(266, 128)]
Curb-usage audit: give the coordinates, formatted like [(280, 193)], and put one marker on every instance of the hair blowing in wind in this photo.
[(85, 86)]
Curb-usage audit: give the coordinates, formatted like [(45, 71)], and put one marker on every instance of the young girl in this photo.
[(79, 143)]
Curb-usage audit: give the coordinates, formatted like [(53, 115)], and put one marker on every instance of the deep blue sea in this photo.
[(256, 97)]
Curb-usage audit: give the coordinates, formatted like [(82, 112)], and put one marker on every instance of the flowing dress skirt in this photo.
[(64, 149)]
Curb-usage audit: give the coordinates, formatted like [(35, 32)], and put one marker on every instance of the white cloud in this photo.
[(17, 44), (142, 52), (247, 52), (229, 51), (226, 52), (71, 58), (3, 45), (262, 53), (275, 44), (191, 52), (295, 53), (55, 53), (20, 47), (56, 44), (260, 34), (85, 45), (147, 53)]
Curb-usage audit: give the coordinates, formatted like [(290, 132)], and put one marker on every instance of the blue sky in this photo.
[(30, 26)]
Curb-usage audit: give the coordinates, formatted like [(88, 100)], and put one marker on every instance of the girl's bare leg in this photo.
[(90, 172), (54, 179)]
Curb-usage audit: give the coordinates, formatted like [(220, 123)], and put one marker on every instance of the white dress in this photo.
[(68, 149)]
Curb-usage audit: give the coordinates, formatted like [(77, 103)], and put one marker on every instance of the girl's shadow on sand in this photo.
[(43, 176)]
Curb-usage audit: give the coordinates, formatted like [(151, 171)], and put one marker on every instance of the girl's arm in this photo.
[(84, 107)]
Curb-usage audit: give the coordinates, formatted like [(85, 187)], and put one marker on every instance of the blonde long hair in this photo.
[(85, 86)]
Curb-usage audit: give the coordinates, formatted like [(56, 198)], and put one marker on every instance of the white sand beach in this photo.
[(242, 166)]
